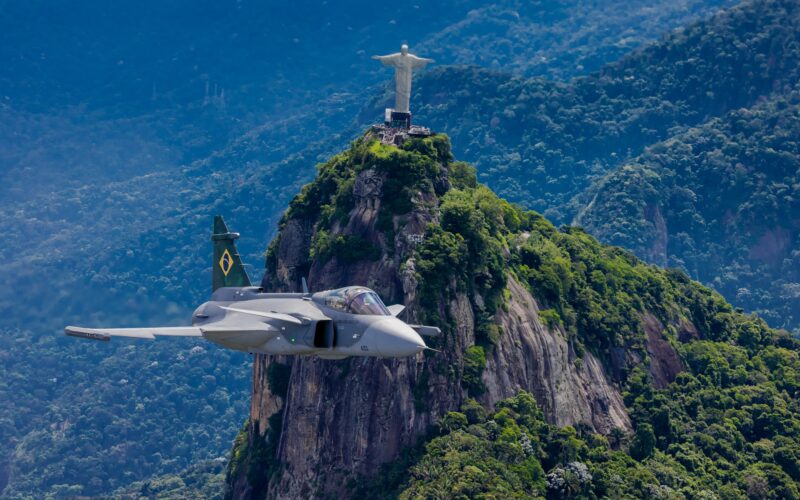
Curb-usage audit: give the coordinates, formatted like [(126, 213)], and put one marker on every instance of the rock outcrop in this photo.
[(361, 222), (537, 359)]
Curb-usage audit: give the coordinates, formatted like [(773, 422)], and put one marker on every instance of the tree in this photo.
[(644, 442)]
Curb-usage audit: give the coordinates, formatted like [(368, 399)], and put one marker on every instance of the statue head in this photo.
[(404, 49)]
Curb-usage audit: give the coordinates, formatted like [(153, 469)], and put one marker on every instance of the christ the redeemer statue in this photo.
[(404, 64)]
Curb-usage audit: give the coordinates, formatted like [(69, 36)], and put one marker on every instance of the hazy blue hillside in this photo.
[(541, 142), (150, 54), (720, 200), (122, 130)]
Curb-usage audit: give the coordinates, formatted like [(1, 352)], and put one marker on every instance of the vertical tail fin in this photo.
[(226, 268)]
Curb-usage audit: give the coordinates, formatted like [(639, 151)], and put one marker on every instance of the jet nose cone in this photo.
[(395, 339)]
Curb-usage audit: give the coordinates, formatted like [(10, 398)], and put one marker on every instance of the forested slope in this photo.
[(721, 201)]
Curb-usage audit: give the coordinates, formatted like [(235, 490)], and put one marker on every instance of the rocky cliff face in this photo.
[(539, 360), (371, 218)]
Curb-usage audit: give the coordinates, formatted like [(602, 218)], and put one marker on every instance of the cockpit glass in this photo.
[(368, 303), (355, 300), (337, 303)]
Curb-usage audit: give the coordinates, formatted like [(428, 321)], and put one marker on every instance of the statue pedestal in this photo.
[(397, 128), (397, 119)]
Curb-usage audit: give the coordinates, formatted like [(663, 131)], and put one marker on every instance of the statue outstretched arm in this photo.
[(421, 62), (386, 60)]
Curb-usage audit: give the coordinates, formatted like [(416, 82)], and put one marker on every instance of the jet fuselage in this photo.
[(324, 324)]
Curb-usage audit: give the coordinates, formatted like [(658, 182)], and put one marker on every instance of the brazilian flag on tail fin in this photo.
[(227, 268)]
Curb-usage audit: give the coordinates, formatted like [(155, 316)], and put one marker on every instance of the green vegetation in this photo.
[(403, 170), (474, 363), (466, 250), (551, 318), (731, 421), (253, 456), (496, 457), (594, 292), (121, 431), (240, 453), (326, 203), (345, 247), (729, 426), (202, 480), (721, 201), (541, 142)]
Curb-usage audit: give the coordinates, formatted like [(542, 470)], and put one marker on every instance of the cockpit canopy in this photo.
[(353, 300)]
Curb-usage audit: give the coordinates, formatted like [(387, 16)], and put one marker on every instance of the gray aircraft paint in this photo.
[(331, 324)]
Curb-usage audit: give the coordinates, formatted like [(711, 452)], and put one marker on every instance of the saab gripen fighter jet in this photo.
[(332, 324)]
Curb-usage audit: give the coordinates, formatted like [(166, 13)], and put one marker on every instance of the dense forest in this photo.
[(98, 426), (713, 441), (201, 480)]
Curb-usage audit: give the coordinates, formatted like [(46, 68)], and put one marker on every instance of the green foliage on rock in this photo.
[(728, 426), (404, 170), (466, 250), (325, 204), (254, 456), (474, 363), (346, 248), (598, 295)]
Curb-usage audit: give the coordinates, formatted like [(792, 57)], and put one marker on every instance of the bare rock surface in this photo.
[(534, 358), (665, 364)]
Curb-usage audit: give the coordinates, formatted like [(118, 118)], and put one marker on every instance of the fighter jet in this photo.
[(331, 324)]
